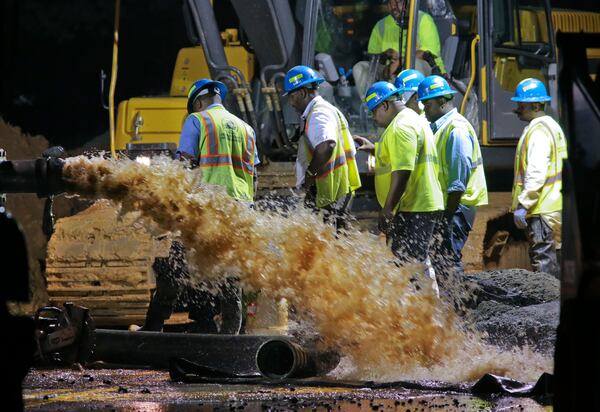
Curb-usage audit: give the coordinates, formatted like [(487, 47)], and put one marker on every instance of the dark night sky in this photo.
[(53, 52)]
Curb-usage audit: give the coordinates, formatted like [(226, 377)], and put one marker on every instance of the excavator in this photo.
[(573, 386), (487, 47)]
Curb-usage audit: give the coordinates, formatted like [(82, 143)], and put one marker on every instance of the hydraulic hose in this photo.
[(113, 79), (473, 74)]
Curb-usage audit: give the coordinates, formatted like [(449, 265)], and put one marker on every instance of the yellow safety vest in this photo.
[(423, 192), (550, 199), (476, 191), (226, 148), (386, 35), (341, 172)]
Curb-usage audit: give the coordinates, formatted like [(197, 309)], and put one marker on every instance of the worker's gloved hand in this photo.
[(519, 217)]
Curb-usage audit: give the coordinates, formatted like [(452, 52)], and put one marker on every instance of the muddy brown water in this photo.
[(360, 302)]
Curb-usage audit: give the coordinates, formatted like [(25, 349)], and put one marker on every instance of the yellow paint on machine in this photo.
[(191, 65), (483, 84), (161, 120)]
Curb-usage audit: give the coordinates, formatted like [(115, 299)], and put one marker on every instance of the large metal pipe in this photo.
[(234, 354), (280, 358), (274, 357), (42, 176)]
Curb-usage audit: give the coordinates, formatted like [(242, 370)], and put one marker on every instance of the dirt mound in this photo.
[(28, 209), (528, 288), (506, 326), (516, 307)]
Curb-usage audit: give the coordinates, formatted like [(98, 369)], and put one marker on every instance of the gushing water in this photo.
[(362, 304)]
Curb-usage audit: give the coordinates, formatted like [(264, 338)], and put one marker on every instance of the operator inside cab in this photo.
[(385, 38)]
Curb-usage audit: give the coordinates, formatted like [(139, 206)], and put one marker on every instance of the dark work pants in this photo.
[(336, 214), (172, 283), (451, 236), (542, 252), (411, 235)]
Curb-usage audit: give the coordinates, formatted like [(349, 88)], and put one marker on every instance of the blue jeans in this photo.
[(452, 234)]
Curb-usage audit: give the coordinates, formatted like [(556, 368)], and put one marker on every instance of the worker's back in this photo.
[(226, 152)]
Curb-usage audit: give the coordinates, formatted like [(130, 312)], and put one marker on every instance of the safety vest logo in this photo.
[(229, 124)]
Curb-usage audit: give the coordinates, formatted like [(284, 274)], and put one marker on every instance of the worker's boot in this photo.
[(158, 312), (231, 307)]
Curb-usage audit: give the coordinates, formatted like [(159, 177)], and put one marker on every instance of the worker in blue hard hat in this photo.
[(406, 169), (408, 83), (536, 192), (325, 166), (224, 148), (461, 172)]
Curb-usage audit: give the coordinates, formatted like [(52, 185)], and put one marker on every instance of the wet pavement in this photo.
[(145, 390)]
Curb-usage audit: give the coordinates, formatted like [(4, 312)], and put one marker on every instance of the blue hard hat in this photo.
[(379, 92), (408, 80), (298, 77), (432, 87), (531, 90), (204, 84)]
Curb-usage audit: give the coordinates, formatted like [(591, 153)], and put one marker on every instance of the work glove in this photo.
[(519, 217)]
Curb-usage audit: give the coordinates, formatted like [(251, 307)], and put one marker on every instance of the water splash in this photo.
[(361, 303)]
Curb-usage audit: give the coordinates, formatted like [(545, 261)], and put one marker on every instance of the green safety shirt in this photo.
[(226, 152), (386, 35), (407, 144)]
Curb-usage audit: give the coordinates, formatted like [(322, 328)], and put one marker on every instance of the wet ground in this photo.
[(144, 390)]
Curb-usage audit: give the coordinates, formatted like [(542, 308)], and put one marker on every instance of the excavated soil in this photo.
[(516, 307), (22, 146)]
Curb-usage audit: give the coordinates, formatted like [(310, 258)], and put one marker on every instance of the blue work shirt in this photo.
[(459, 153), (189, 141)]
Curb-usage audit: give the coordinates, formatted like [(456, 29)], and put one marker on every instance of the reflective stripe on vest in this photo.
[(334, 182), (353, 174), (214, 158), (550, 196), (226, 152), (476, 190)]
